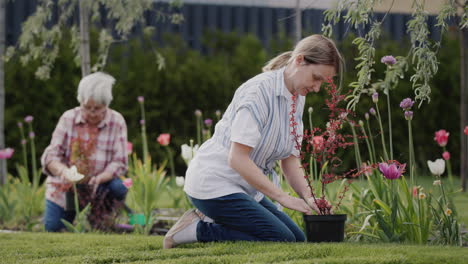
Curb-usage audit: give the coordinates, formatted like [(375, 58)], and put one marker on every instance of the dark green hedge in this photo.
[(192, 80)]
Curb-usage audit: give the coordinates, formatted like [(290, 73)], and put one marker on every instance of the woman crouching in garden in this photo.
[(92, 138), (227, 180)]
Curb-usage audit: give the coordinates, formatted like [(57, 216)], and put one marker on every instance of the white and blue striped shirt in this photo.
[(258, 116)]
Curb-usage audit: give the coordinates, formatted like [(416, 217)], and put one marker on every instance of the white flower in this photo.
[(179, 180), (436, 167), (73, 175), (188, 153)]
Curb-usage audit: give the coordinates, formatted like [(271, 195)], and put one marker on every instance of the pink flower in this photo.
[(164, 139), (415, 191), (128, 182), (142, 122), (317, 142), (6, 153), (375, 97), (392, 170), (31, 134), (441, 137), (446, 155), (23, 141), (129, 147), (141, 99), (20, 124), (389, 60), (208, 122), (28, 119), (409, 115), (466, 130), (406, 104)]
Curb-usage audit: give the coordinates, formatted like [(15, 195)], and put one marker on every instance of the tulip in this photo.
[(392, 171), (6, 153), (436, 167), (164, 139), (389, 60), (441, 137), (466, 130), (128, 183), (415, 191), (141, 99), (311, 110), (129, 148), (446, 155), (188, 152), (73, 175), (180, 181)]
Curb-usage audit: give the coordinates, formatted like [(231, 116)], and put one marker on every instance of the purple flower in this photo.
[(208, 122), (372, 111), (141, 99), (20, 124), (406, 104), (142, 122), (198, 113), (375, 97), (28, 119), (31, 134), (409, 115), (23, 142), (389, 60), (366, 115), (392, 171)]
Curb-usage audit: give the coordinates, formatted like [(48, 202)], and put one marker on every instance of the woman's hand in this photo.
[(313, 204), (295, 204)]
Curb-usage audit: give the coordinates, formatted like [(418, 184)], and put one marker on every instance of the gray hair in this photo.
[(96, 86)]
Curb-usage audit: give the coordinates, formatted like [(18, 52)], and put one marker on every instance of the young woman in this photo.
[(227, 180)]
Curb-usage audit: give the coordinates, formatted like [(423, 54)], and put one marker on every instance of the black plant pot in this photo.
[(325, 228)]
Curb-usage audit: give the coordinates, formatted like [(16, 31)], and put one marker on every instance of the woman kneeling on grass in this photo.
[(227, 182)]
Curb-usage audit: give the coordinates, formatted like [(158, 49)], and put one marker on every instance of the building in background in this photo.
[(263, 18)]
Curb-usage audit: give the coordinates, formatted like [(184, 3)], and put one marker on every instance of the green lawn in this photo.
[(100, 248)]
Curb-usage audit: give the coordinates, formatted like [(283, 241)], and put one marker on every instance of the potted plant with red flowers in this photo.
[(318, 153)]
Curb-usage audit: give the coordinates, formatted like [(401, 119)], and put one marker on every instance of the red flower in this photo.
[(317, 142), (415, 191), (446, 155), (129, 147), (466, 130), (441, 137), (164, 139)]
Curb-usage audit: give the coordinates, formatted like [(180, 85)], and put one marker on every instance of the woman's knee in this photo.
[(118, 190)]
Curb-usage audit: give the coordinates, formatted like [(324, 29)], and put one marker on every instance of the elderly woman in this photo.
[(91, 137)]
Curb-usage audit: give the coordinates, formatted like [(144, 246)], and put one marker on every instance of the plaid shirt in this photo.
[(110, 152)]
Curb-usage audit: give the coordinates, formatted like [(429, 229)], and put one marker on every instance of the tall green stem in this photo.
[(33, 156), (143, 131), (382, 135), (412, 162), (371, 140), (369, 147), (357, 153), (171, 160), (449, 171), (390, 124)]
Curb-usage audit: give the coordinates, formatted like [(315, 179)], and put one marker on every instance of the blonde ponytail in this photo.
[(278, 62)]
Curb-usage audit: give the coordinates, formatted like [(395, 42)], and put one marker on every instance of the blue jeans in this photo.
[(239, 217), (54, 212)]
